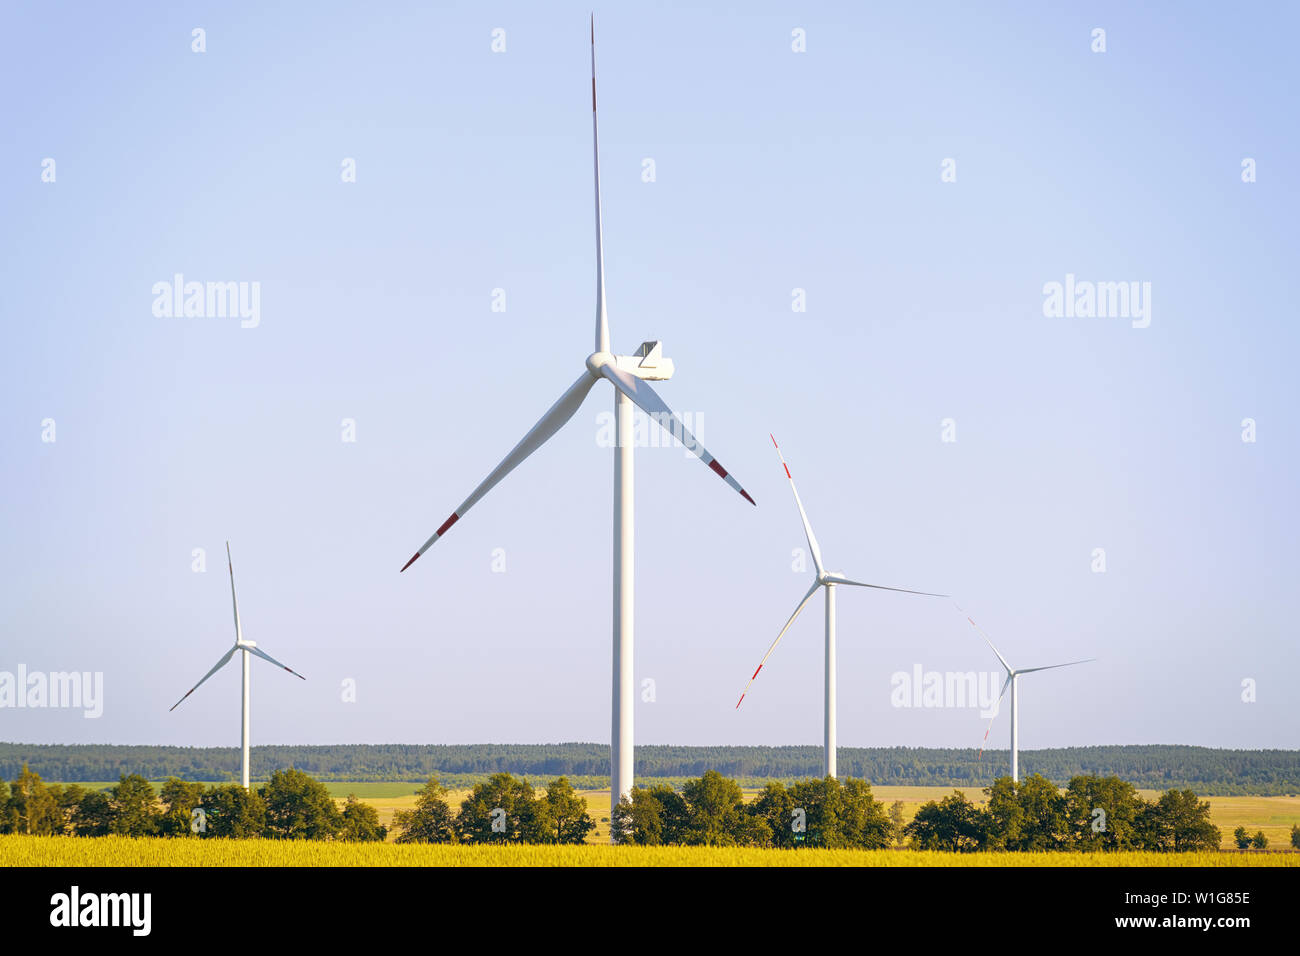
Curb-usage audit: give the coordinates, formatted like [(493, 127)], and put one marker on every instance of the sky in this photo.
[(922, 172)]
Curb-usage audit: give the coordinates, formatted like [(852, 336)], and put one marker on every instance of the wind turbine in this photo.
[(248, 647), (828, 580), (1013, 678), (629, 375)]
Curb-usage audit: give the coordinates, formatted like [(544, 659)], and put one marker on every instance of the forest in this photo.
[(1208, 771)]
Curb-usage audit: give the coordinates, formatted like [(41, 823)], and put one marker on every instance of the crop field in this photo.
[(156, 851)]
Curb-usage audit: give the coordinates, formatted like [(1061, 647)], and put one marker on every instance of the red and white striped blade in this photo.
[(267, 657), (1001, 693), (811, 591), (987, 640), (803, 516), (547, 425), (220, 664), (648, 400)]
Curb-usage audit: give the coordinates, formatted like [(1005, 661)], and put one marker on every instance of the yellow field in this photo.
[(1273, 815), (158, 851)]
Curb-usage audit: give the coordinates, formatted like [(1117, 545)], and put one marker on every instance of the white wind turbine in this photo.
[(629, 375), (1013, 679), (248, 647), (828, 580)]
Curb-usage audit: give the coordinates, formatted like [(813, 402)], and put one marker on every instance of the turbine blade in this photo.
[(1030, 670), (267, 657), (986, 640), (807, 526), (811, 591), (1006, 683), (220, 664), (648, 400), (547, 425), (602, 323), (881, 587), (239, 633)]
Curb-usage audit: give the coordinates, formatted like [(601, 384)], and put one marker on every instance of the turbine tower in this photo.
[(1013, 679), (629, 375), (248, 647), (828, 580)]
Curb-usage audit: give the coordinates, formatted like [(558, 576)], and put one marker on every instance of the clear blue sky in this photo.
[(775, 170)]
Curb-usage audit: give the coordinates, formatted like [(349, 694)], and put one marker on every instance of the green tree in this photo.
[(299, 807), (864, 822), (953, 824), (93, 816), (896, 820), (69, 799), (568, 812), (774, 808), (234, 813), (822, 801), (1259, 841), (33, 808), (1044, 826), (1006, 816), (1115, 828), (432, 820), (361, 823), (181, 798), (653, 816), (1241, 838), (1295, 835), (674, 813), (714, 807), (132, 803), (504, 809), (1179, 823)]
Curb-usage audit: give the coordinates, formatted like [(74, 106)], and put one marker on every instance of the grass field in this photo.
[(156, 851)]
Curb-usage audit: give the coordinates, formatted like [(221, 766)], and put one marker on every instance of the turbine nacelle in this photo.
[(646, 363)]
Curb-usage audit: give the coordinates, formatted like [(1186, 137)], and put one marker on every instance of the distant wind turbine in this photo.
[(828, 580), (248, 647), (1013, 679), (629, 375)]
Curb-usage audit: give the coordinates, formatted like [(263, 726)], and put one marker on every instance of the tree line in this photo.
[(1092, 814), (290, 806), (1207, 770)]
